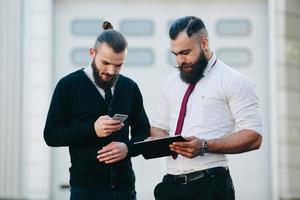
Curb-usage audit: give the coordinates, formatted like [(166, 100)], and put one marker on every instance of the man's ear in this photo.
[(92, 53), (204, 43)]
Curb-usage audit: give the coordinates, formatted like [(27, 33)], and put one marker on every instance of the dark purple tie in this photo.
[(183, 111)]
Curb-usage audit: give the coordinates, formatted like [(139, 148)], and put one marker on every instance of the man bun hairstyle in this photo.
[(107, 25), (190, 24), (113, 38)]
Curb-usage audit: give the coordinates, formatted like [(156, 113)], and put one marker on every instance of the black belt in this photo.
[(186, 178)]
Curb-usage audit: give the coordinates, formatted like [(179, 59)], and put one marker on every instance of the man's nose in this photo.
[(111, 70), (180, 59)]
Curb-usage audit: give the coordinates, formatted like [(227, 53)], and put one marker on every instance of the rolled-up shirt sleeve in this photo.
[(244, 105)]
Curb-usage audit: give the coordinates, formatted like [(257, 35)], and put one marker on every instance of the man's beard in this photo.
[(194, 75), (104, 84)]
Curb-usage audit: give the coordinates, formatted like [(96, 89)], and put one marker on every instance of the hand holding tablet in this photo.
[(157, 147)]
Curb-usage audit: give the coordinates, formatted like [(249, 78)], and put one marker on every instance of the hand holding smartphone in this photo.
[(120, 117)]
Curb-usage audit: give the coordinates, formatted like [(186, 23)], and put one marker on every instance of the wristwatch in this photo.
[(204, 148)]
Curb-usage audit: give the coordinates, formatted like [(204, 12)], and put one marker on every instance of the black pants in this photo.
[(216, 186), (83, 193)]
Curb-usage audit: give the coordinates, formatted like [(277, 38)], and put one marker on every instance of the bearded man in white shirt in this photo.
[(222, 117)]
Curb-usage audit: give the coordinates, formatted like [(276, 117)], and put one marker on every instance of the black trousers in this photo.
[(216, 186), (84, 193)]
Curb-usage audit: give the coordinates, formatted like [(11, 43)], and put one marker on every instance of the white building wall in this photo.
[(289, 98), (10, 98), (37, 84)]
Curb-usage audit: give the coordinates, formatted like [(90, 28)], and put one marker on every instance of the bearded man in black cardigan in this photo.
[(79, 117)]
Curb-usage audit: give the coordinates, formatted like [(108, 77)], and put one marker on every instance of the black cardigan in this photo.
[(75, 106)]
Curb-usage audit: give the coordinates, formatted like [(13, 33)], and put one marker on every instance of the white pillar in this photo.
[(10, 99), (37, 85), (272, 46)]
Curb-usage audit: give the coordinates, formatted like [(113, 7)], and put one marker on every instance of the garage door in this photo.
[(238, 33)]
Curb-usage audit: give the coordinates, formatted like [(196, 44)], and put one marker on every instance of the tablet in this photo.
[(157, 147)]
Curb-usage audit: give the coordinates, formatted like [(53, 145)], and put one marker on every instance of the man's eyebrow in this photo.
[(180, 52), (104, 61)]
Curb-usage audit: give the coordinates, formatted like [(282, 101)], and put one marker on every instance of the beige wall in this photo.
[(288, 63)]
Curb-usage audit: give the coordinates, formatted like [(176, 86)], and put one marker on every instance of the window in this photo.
[(80, 56), (235, 57), (139, 57), (234, 27), (86, 27), (137, 27)]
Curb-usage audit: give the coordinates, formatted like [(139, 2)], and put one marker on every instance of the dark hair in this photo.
[(190, 24), (112, 38)]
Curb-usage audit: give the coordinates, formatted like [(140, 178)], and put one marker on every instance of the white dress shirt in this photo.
[(222, 102)]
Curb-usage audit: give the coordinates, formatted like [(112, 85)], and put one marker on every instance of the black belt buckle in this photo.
[(182, 177)]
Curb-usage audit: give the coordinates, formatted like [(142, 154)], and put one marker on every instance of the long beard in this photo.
[(104, 84), (194, 75)]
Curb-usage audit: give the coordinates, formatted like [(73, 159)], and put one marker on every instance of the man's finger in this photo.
[(110, 158), (180, 144), (181, 149), (183, 153), (106, 156), (112, 126), (105, 149), (105, 117), (112, 122)]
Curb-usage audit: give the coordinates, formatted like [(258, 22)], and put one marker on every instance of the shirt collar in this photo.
[(89, 72), (212, 61)]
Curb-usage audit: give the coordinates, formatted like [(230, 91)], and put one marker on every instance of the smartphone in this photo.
[(121, 117)]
